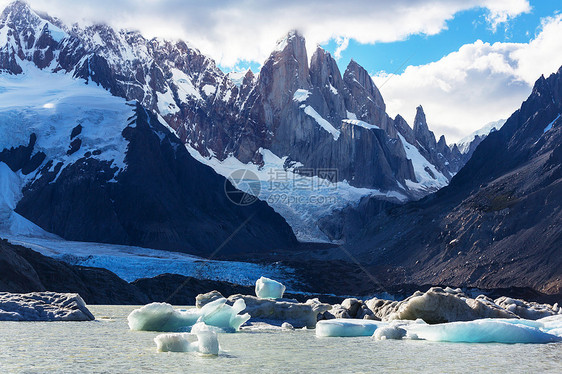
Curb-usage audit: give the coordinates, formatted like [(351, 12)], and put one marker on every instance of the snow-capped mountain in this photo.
[(307, 116), (89, 165), (468, 144)]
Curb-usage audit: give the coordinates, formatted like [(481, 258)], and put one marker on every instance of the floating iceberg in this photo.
[(202, 339), (484, 331), (389, 332), (347, 327), (176, 342), (269, 289), (218, 313), (163, 317)]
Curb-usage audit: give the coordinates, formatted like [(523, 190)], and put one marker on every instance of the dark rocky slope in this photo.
[(498, 223), (164, 199), (23, 270)]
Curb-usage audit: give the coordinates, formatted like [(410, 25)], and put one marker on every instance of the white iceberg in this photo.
[(484, 331), (347, 327), (389, 332), (269, 289), (218, 313), (176, 342), (202, 339), (163, 317)]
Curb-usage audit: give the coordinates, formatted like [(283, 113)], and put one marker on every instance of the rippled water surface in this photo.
[(107, 345)]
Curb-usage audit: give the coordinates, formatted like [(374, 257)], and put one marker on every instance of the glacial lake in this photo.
[(107, 345)]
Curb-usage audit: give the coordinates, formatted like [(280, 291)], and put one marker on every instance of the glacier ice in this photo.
[(163, 317), (389, 332), (218, 313), (488, 330), (202, 339), (207, 340), (269, 289), (483, 331), (347, 327), (176, 342)]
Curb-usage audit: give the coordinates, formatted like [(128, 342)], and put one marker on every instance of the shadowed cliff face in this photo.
[(497, 224), (164, 199)]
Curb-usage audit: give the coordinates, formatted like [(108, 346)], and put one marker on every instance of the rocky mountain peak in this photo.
[(355, 75), (15, 9), (421, 131), (324, 70), (285, 71)]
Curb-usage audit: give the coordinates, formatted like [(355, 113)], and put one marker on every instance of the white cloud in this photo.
[(231, 31), (342, 43), (477, 84)]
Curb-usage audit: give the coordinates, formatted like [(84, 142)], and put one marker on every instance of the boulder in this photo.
[(278, 311), (43, 306), (439, 305), (205, 298), (527, 310)]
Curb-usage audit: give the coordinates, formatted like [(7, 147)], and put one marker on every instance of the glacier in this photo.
[(301, 207)]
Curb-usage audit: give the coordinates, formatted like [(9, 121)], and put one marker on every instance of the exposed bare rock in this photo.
[(278, 311), (527, 310), (43, 306), (439, 305)]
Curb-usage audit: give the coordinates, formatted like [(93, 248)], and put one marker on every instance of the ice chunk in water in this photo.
[(269, 289), (203, 339), (389, 332), (163, 317), (182, 342), (218, 314), (347, 327), (208, 342), (484, 331)]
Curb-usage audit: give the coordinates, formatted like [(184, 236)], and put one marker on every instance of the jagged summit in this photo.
[(308, 112), (421, 130)]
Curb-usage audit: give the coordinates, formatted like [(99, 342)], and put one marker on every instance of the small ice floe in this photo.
[(269, 289), (488, 330), (484, 331), (347, 327), (163, 317), (390, 333), (202, 339)]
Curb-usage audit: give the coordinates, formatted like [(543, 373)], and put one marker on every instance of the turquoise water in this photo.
[(107, 345)]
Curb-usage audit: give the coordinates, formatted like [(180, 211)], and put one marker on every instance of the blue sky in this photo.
[(468, 62), (466, 27)]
